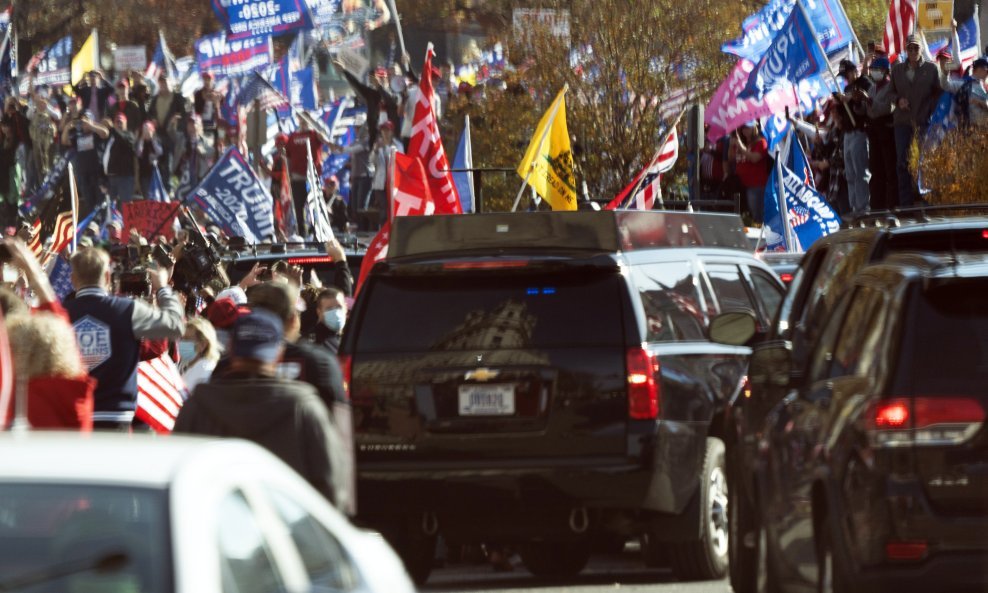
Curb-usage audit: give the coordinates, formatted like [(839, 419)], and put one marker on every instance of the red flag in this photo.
[(900, 24), (160, 393), (427, 144), (410, 192), (376, 251)]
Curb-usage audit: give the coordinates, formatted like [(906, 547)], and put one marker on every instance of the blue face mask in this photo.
[(334, 318), (187, 349)]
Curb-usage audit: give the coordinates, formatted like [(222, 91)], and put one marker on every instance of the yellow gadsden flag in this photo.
[(87, 59), (548, 162)]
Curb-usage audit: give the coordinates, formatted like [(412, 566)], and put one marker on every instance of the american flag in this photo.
[(316, 216), (160, 393), (648, 180), (61, 277), (162, 61), (900, 24), (259, 89), (798, 216)]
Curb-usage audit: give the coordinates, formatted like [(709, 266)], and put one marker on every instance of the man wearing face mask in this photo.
[(332, 310), (881, 139)]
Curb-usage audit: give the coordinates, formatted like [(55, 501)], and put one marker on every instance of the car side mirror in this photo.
[(733, 328), (771, 365)]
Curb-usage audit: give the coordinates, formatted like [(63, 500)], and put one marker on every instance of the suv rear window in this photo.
[(673, 310), (945, 341), (492, 311)]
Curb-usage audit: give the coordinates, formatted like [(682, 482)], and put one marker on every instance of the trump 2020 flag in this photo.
[(55, 68), (233, 197), (829, 20), (808, 213), (794, 55)]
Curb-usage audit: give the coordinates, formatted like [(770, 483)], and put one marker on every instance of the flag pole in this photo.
[(74, 196), (826, 60), (545, 132), (780, 188), (389, 182), (662, 143), (401, 35)]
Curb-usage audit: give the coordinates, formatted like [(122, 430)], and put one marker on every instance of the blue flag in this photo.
[(809, 214), (163, 61), (256, 18), (798, 163), (223, 57), (463, 159), (61, 277), (774, 128), (234, 198), (794, 55), (55, 68), (156, 189), (828, 17)]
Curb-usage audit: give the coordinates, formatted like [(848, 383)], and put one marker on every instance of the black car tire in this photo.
[(831, 571), (555, 560), (707, 557), (743, 545)]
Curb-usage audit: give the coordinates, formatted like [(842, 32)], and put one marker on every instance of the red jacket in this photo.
[(60, 402)]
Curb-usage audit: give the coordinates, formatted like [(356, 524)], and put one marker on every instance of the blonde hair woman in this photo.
[(46, 357), (200, 350)]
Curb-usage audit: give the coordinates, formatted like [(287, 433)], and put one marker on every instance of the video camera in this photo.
[(135, 280), (199, 264)]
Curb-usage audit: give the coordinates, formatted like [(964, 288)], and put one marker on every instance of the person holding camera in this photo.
[(109, 328), (81, 132)]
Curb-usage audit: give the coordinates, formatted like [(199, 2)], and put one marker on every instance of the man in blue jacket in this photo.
[(109, 328)]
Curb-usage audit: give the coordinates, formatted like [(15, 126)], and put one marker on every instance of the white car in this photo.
[(139, 513)]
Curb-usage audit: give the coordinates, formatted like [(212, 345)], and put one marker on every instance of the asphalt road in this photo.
[(618, 572)]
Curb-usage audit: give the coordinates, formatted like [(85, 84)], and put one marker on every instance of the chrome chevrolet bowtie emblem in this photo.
[(481, 375)]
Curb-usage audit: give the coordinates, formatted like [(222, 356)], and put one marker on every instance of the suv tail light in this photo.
[(497, 264), (346, 363), (313, 259), (924, 421), (905, 550), (643, 386)]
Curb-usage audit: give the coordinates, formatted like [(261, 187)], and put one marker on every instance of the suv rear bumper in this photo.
[(942, 572), (495, 501)]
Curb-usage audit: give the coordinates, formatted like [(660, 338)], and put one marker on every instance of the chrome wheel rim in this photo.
[(719, 528)]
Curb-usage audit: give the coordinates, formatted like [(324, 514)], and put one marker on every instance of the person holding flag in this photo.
[(165, 106), (749, 149), (971, 93)]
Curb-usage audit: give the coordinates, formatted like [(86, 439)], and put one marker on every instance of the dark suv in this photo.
[(545, 379), (873, 475), (824, 274)]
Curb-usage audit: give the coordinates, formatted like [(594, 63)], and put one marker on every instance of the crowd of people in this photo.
[(860, 139), (269, 340)]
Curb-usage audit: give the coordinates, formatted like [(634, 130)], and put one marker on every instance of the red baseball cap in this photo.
[(223, 313)]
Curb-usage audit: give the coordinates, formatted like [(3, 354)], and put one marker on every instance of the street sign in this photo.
[(935, 15)]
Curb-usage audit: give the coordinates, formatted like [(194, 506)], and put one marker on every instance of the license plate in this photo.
[(487, 400)]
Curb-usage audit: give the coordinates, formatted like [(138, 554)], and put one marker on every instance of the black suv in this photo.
[(873, 474), (825, 272), (310, 256), (546, 379)]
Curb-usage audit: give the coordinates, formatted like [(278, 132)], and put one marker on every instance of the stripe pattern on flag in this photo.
[(900, 24), (649, 179), (160, 393)]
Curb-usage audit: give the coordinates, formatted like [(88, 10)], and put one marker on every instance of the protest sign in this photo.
[(257, 18), (150, 218), (130, 57), (220, 56)]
